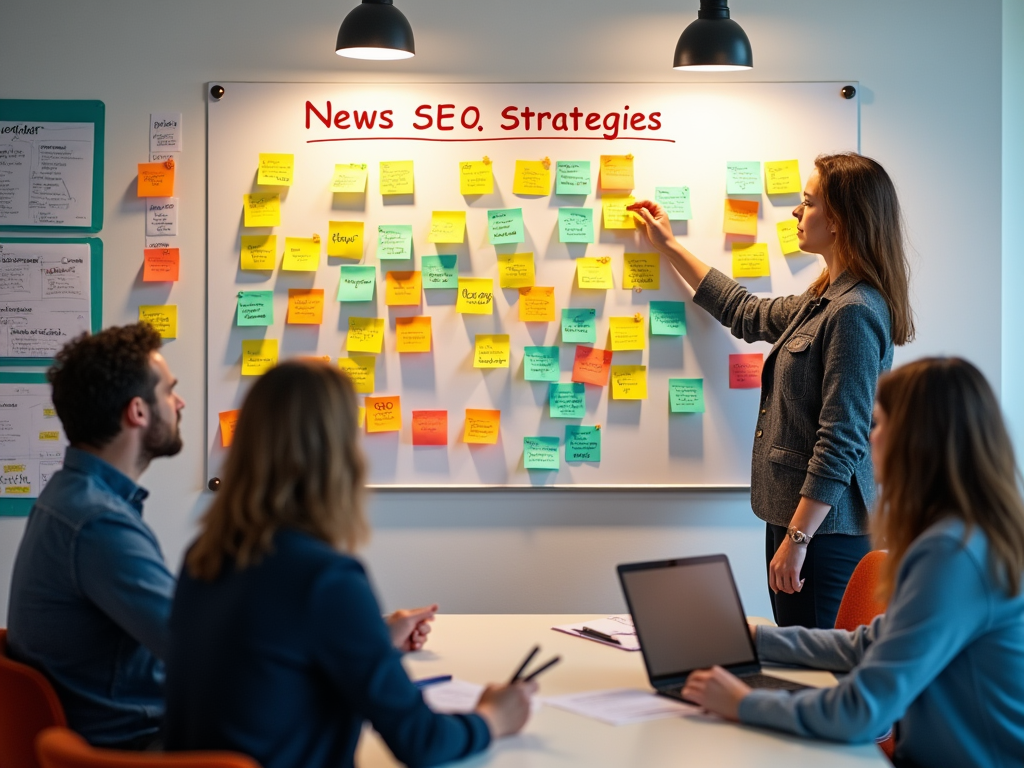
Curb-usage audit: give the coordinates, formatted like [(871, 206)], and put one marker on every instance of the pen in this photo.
[(527, 660), (540, 669), (598, 635), (431, 681)]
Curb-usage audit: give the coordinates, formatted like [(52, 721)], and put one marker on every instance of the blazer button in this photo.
[(759, 433)]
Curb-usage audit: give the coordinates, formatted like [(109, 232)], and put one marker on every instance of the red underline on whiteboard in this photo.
[(496, 138)]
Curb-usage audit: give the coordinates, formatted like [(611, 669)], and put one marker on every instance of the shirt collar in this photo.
[(840, 285), (122, 485)]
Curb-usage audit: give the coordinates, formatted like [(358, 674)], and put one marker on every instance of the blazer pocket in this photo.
[(794, 369), (788, 458)]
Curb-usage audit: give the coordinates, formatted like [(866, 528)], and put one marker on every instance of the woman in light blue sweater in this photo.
[(946, 661)]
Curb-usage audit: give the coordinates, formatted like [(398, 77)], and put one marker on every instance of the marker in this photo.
[(431, 681), (598, 635), (529, 657), (540, 669)]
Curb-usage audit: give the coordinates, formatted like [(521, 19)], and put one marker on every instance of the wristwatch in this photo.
[(798, 537)]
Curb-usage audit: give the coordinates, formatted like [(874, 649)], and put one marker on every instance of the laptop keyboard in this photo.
[(757, 680)]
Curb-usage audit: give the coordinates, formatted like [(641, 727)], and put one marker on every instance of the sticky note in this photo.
[(276, 170), (575, 225), (482, 426), (255, 308), (394, 241), (163, 318), (383, 414), (745, 371), (305, 306), (349, 178), (740, 217), (447, 227), (430, 427), (641, 270), (365, 334), (789, 240), (616, 172), (782, 177), (567, 401), (440, 271), (615, 214), (156, 180), (491, 350), (540, 363), (743, 178), (668, 318), (515, 270), (475, 178), (160, 265), (629, 382), (579, 325), (412, 334), (361, 418), (403, 289), (228, 420), (356, 283), (262, 209), (572, 177), (750, 260), (258, 251), (591, 365), (476, 296), (675, 201), (396, 177), (537, 304), (362, 369), (258, 356), (345, 239), (686, 395), (532, 177), (505, 225), (582, 443), (540, 452), (301, 254), (627, 333), (594, 274)]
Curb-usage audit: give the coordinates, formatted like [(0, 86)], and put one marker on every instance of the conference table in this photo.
[(482, 648)]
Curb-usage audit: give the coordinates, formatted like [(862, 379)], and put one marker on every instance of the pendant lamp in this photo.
[(376, 30), (714, 42)]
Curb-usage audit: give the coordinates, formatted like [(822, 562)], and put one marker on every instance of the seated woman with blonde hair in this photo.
[(278, 649)]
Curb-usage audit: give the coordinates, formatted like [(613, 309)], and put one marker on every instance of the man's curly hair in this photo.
[(95, 377)]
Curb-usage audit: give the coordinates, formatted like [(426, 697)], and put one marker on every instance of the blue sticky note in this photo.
[(686, 395), (582, 443), (540, 452), (567, 401), (394, 241), (440, 271), (743, 177), (540, 364), (256, 308), (505, 225), (575, 225), (357, 283), (572, 177), (579, 325), (668, 318), (675, 201)]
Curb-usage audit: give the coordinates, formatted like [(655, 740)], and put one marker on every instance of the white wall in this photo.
[(1013, 204), (931, 104)]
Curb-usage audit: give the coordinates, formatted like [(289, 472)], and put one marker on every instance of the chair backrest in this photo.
[(860, 605), (28, 704), (61, 748)]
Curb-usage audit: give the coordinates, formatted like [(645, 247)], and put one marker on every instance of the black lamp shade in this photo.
[(375, 29), (713, 42)]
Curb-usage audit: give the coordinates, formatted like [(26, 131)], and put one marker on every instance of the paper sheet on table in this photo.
[(619, 626), (621, 706), (458, 697)]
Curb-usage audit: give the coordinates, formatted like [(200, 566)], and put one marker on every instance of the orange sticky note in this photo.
[(160, 265), (305, 306), (430, 427), (412, 334), (227, 419), (156, 179), (740, 217), (616, 171), (482, 426), (403, 289), (591, 365), (745, 371), (383, 414), (537, 304)]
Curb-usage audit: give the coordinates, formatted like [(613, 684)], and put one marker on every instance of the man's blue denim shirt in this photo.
[(90, 601)]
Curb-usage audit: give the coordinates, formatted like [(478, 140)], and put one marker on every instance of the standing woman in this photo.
[(811, 475)]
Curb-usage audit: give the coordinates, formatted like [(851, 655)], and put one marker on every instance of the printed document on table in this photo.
[(458, 697), (45, 297), (622, 706), (32, 441), (620, 627)]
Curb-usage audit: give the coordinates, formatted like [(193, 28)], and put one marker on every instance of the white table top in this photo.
[(487, 648)]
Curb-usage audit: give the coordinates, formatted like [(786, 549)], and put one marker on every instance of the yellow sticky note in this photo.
[(259, 251), (361, 418), (163, 318), (362, 369), (447, 227), (615, 214), (782, 177), (384, 414), (627, 332), (301, 254), (475, 178), (412, 334), (305, 306), (594, 273), (537, 304), (482, 426), (740, 217), (345, 239), (641, 270), (532, 177), (515, 270), (476, 296), (616, 172), (262, 209), (629, 382), (349, 178), (789, 241), (403, 289), (258, 356), (365, 334), (492, 350), (396, 177), (276, 170), (750, 260)]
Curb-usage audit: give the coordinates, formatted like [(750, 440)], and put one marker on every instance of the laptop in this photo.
[(688, 616)]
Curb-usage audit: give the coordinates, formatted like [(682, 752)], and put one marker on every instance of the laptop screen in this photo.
[(687, 615)]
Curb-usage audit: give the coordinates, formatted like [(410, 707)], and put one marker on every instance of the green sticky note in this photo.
[(686, 395), (675, 201), (540, 452), (540, 364), (505, 225), (743, 178), (440, 271), (357, 283), (668, 318), (582, 443), (567, 401), (255, 308), (579, 325), (394, 241), (572, 177), (575, 225)]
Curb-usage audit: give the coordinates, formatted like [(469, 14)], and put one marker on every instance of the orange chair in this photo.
[(61, 748), (28, 704)]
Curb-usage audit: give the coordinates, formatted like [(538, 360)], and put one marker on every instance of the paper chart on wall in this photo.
[(32, 441)]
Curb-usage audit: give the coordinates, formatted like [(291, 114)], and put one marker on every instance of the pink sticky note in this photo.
[(745, 371)]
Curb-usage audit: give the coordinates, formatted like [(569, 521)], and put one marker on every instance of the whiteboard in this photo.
[(700, 128)]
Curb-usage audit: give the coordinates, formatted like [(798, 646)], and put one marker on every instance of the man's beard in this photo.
[(162, 438)]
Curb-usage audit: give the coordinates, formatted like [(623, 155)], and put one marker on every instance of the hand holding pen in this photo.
[(506, 708)]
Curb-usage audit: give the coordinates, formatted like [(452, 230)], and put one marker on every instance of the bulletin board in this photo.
[(686, 136)]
